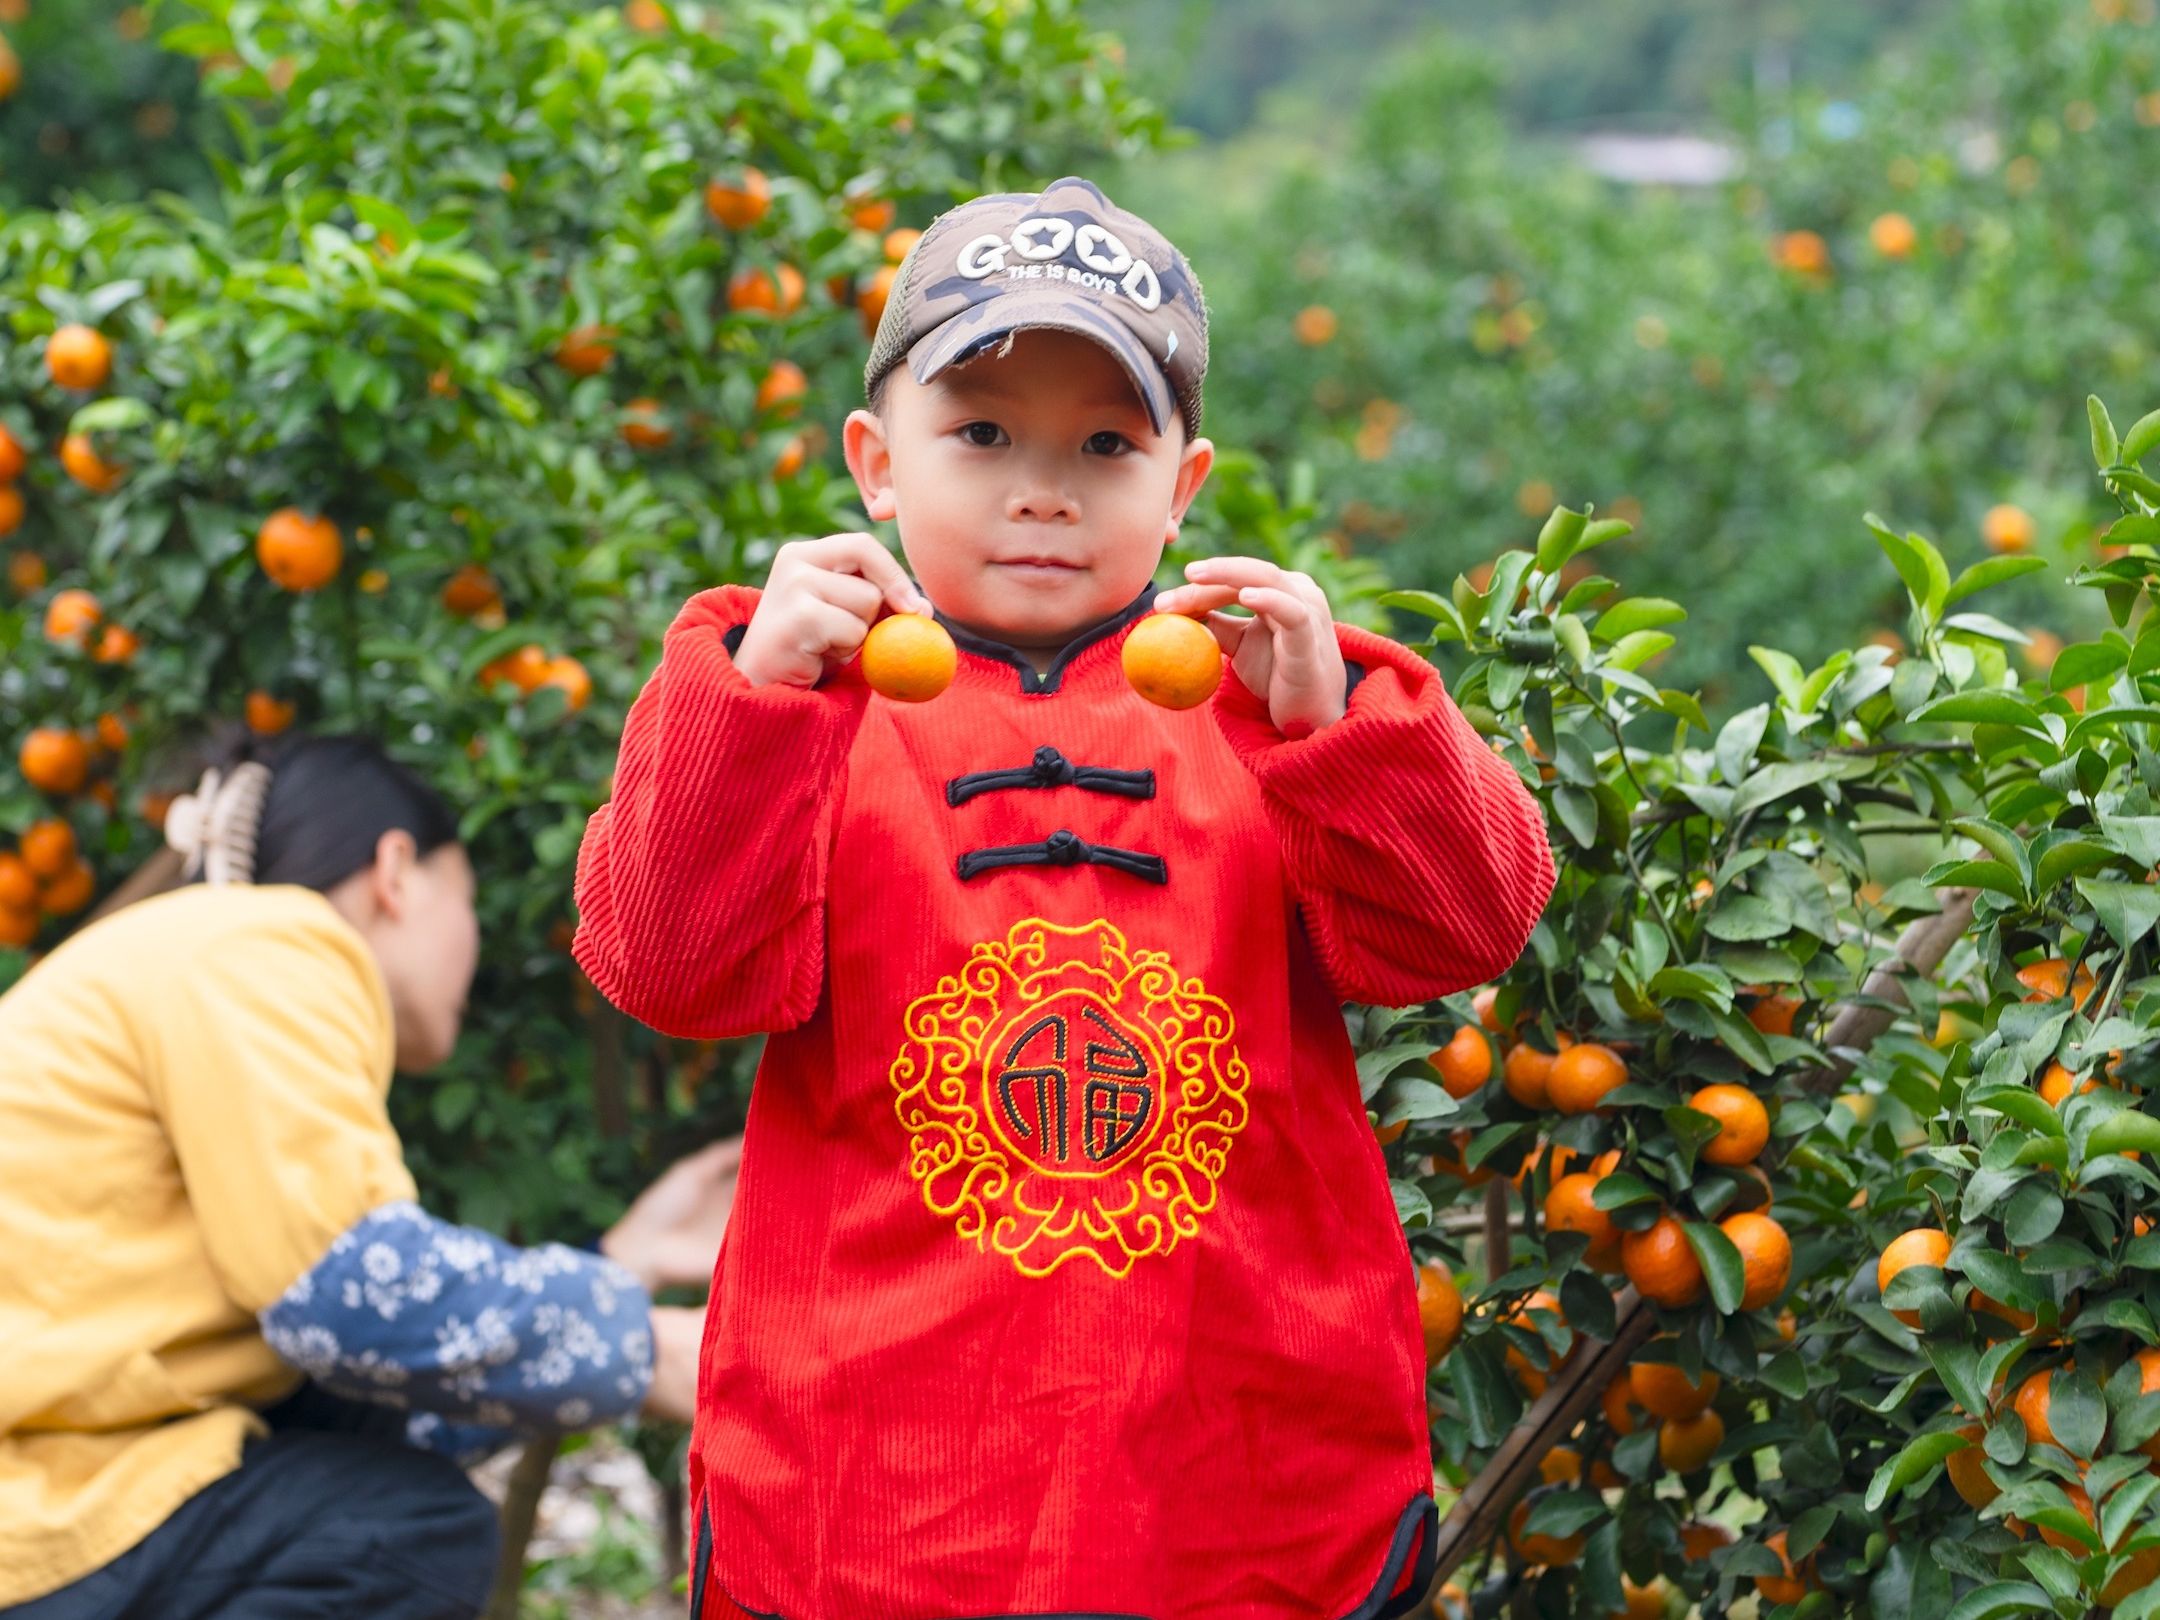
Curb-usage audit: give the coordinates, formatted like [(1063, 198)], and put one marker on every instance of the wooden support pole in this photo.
[(1576, 1387), (521, 1507)]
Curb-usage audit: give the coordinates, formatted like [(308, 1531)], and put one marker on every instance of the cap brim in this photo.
[(1046, 308)]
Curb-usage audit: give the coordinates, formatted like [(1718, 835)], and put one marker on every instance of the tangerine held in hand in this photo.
[(909, 658), (1173, 661)]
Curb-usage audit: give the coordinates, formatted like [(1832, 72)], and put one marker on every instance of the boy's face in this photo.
[(1034, 498)]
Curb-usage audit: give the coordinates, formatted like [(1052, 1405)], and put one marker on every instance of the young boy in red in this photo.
[(1063, 1277)]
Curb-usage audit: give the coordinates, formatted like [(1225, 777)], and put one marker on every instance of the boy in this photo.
[(1063, 1277)]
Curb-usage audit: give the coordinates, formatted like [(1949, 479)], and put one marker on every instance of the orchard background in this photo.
[(403, 366)]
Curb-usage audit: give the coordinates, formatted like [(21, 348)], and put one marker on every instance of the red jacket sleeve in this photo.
[(701, 884), (1417, 857)]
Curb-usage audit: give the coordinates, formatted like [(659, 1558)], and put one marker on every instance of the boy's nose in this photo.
[(1042, 503)]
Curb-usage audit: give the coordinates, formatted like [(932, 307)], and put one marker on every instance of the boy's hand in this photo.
[(820, 600), (1286, 653)]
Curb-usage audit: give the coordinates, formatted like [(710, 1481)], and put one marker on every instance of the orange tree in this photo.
[(1893, 1353), (512, 325)]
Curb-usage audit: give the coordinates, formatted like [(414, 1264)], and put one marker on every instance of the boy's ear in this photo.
[(869, 458), (1193, 469)]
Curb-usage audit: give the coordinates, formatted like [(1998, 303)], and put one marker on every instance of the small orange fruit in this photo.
[(54, 760), (775, 292), (1765, 1252), (2141, 1571), (875, 294), (1389, 1135), (1686, 1444), (1788, 1325), (1793, 1585), (1699, 1539), (899, 244), (18, 884), (1618, 1403), (2032, 1403), (2058, 1085), (12, 509), (1570, 1207), (267, 715), (738, 201), (1526, 1074), (873, 214), (1542, 1549), (909, 657), (117, 645), (70, 617), (1440, 1310), (80, 460), (1661, 1264), (782, 390), (1967, 1477), (1893, 236), (1531, 1375), (1773, 1015), (1922, 1246), (644, 425), (569, 676), (18, 927), (1174, 661), (78, 357), (2007, 528), (68, 893), (1664, 1391), (25, 572), (469, 591), (2049, 979), (794, 455), (48, 847), (14, 459), (1315, 324), (1805, 252), (1643, 1602), (524, 669), (1451, 1602), (587, 352), (112, 733), (2148, 1362), (298, 552), (1465, 1063), (1743, 1123), (1582, 1076)]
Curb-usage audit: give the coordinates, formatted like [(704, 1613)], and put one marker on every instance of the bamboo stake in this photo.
[(1576, 1387)]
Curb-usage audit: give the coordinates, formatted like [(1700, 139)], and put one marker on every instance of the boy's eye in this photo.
[(1106, 443), (982, 433)]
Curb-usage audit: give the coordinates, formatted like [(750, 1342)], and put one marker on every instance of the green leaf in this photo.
[(1721, 1264), (1635, 649), (2127, 910), (1577, 809), (1919, 565), (2143, 435), (1620, 1189), (1993, 707), (1958, 1366), (1991, 571), (2087, 661), (1412, 1207), (114, 414), (1742, 1039), (2126, 1132), (1786, 1374), (1490, 1404), (2034, 1212), (1557, 541), (2104, 443), (1784, 672), (2076, 1413), (1637, 613), (2073, 857), (1992, 875), (1773, 782), (1918, 1457), (2123, 1506), (2001, 1599)]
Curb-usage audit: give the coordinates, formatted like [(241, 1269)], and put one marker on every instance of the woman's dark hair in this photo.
[(331, 799)]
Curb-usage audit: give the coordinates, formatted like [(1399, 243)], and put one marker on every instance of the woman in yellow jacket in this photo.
[(209, 1238)]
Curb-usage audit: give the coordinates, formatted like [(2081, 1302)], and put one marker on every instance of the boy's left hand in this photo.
[(1286, 653)]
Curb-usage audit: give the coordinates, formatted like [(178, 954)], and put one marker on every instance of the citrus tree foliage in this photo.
[(1978, 1437), (540, 319), (1897, 302)]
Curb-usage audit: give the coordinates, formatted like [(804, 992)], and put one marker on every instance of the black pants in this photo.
[(329, 1518)]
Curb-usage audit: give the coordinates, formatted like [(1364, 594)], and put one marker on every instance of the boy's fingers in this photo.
[(1234, 571), (865, 555), (851, 592), (1194, 599), (1229, 632), (1293, 617)]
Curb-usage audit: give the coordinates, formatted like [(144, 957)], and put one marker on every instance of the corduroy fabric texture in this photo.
[(1063, 1275)]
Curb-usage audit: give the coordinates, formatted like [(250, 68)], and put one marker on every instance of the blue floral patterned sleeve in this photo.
[(467, 1331)]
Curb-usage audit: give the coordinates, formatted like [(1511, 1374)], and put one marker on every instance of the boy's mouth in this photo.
[(1036, 562)]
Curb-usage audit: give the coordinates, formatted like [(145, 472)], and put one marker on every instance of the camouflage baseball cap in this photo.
[(1066, 258)]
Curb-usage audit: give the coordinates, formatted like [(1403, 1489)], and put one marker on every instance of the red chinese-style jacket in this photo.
[(1063, 1277)]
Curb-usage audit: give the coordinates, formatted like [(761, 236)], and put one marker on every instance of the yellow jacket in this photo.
[(192, 1106)]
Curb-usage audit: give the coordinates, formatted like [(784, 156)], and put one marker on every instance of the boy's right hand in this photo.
[(820, 600)]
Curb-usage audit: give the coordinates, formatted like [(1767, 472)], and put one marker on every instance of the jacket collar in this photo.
[(1032, 684)]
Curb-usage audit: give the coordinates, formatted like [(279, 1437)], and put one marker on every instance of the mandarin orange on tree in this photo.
[(781, 391), (1661, 1264), (1583, 1075), (1571, 1207), (1440, 1310), (1542, 1548), (14, 460), (1765, 1254), (80, 460), (587, 351), (299, 552), (18, 884), (1743, 1123), (1664, 1391), (47, 847), (1922, 1246), (1686, 1444), (12, 509), (78, 357), (738, 201), (1527, 1074), (267, 715), (2032, 1404), (1967, 1475), (1465, 1063), (1792, 1585), (68, 893), (70, 616), (54, 760)]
